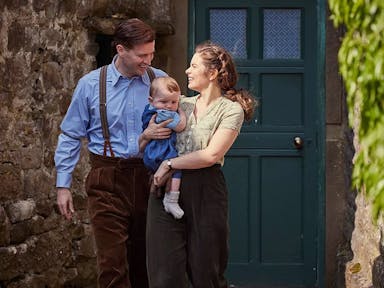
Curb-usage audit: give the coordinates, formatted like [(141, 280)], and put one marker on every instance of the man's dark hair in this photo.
[(133, 32)]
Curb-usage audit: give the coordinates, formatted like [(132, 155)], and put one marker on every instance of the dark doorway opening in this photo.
[(106, 52)]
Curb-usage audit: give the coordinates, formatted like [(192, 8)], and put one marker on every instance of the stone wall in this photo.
[(354, 244), (45, 47), (366, 268)]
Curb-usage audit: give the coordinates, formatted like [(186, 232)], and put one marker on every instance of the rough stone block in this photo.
[(31, 157), (378, 272), (86, 247), (5, 228), (37, 185), (20, 232), (21, 210), (10, 178)]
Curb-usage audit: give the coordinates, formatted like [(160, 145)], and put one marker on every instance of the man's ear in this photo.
[(119, 48), (150, 99)]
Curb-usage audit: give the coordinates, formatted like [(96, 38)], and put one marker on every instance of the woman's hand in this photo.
[(162, 174)]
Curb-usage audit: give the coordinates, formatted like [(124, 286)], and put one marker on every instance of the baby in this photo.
[(164, 101)]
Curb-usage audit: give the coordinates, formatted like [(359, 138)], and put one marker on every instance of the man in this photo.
[(117, 185)]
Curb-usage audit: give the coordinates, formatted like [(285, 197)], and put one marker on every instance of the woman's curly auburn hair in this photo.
[(216, 57)]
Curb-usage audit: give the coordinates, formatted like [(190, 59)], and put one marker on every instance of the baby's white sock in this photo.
[(171, 204)]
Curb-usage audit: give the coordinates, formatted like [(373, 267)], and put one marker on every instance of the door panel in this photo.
[(271, 170), (282, 95)]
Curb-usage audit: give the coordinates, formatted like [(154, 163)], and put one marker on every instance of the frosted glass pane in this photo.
[(282, 35), (228, 28)]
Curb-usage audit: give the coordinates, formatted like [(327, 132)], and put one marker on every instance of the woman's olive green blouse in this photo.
[(221, 114)]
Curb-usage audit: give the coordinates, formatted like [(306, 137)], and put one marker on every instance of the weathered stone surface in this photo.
[(31, 157), (20, 232), (52, 78), (77, 231), (15, 69), (52, 222), (34, 226), (80, 201), (86, 275), (365, 247), (10, 177), (67, 7), (86, 247), (378, 272), (16, 37), (37, 185), (39, 5), (101, 25), (32, 281), (5, 228), (44, 207), (49, 250), (21, 210)]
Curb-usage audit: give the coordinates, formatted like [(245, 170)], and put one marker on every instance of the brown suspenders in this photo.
[(151, 74), (103, 106), (103, 110)]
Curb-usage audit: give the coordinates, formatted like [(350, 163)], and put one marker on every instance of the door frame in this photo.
[(321, 6)]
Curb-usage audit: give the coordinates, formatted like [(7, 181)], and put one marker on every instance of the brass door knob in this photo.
[(298, 142)]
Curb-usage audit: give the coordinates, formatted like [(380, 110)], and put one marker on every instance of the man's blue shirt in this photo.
[(126, 100)]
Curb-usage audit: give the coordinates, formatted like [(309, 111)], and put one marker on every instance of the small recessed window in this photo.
[(282, 34), (228, 28)]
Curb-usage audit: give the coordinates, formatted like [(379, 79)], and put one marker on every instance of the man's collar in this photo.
[(116, 75)]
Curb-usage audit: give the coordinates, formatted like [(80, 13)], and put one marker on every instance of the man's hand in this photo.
[(64, 201), (157, 131), (154, 131)]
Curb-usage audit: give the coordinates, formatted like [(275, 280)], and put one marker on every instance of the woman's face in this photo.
[(197, 74)]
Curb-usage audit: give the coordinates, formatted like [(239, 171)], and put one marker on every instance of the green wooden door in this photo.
[(272, 169)]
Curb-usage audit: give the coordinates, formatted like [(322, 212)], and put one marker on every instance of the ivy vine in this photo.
[(361, 60)]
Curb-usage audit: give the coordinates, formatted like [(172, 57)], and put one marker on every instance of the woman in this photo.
[(195, 248)]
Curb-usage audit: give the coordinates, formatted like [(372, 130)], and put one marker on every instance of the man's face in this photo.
[(134, 62)]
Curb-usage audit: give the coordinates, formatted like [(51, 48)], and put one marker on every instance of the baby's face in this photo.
[(166, 100)]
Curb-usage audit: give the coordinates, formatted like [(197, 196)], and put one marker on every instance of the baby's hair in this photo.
[(163, 82)]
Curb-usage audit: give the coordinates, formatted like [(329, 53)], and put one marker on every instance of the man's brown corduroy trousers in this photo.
[(117, 203)]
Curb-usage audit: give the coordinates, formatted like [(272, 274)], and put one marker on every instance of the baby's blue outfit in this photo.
[(158, 150)]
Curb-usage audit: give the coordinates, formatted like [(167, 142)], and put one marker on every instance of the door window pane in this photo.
[(228, 28), (282, 34)]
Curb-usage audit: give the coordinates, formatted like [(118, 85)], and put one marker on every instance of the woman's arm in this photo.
[(220, 143), (183, 121)]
